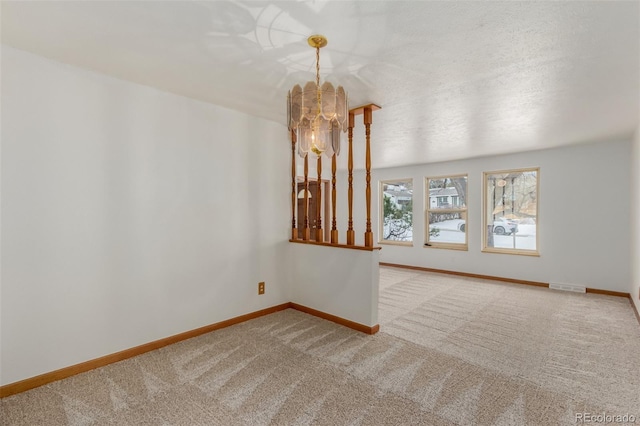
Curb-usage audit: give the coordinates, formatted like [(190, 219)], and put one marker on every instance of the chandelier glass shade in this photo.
[(317, 113)]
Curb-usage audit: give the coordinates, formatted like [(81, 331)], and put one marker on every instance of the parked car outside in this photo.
[(501, 226), (504, 226)]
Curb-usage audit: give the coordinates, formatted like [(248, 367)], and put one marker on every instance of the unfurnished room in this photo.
[(319, 212)]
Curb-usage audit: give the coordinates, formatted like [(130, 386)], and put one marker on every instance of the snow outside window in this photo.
[(510, 219), (396, 212), (446, 212)]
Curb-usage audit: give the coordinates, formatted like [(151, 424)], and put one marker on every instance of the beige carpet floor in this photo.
[(451, 351)]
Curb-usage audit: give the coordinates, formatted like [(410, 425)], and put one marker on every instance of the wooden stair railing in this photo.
[(367, 112)]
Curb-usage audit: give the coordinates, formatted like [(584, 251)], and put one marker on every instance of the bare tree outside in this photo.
[(511, 209)]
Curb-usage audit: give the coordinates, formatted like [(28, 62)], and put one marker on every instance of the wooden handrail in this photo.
[(367, 112), (328, 244)]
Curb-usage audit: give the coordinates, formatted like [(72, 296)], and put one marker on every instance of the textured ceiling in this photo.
[(455, 79)]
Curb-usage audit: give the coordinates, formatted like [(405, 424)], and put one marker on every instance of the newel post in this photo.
[(368, 119)]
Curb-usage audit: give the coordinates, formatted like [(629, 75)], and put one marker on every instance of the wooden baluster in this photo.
[(368, 116), (294, 197), (306, 233), (351, 235), (319, 230), (334, 228)]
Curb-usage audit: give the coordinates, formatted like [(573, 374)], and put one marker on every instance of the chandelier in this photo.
[(317, 113)]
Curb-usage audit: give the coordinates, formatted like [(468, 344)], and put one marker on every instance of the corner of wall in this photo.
[(634, 285)]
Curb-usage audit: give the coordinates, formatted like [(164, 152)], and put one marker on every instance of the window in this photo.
[(396, 212), (511, 212), (446, 212)]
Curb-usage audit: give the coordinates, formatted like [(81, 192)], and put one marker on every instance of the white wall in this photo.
[(340, 282), (129, 214), (582, 240), (634, 287)]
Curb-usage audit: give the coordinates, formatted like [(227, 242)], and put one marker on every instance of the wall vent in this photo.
[(568, 287)]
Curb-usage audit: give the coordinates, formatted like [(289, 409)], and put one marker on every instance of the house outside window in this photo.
[(396, 212), (446, 212)]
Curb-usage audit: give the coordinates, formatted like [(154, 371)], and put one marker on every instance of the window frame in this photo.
[(454, 209), (381, 184), (515, 251)]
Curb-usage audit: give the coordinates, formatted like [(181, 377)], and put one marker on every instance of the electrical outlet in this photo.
[(261, 287)]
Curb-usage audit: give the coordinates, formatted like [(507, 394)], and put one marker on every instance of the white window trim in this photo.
[(381, 213), (520, 252), (439, 245)]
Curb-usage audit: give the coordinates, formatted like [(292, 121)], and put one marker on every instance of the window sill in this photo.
[(460, 247), (532, 253), (397, 243)]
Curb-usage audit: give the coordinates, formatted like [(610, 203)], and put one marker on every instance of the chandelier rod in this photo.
[(318, 66)]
